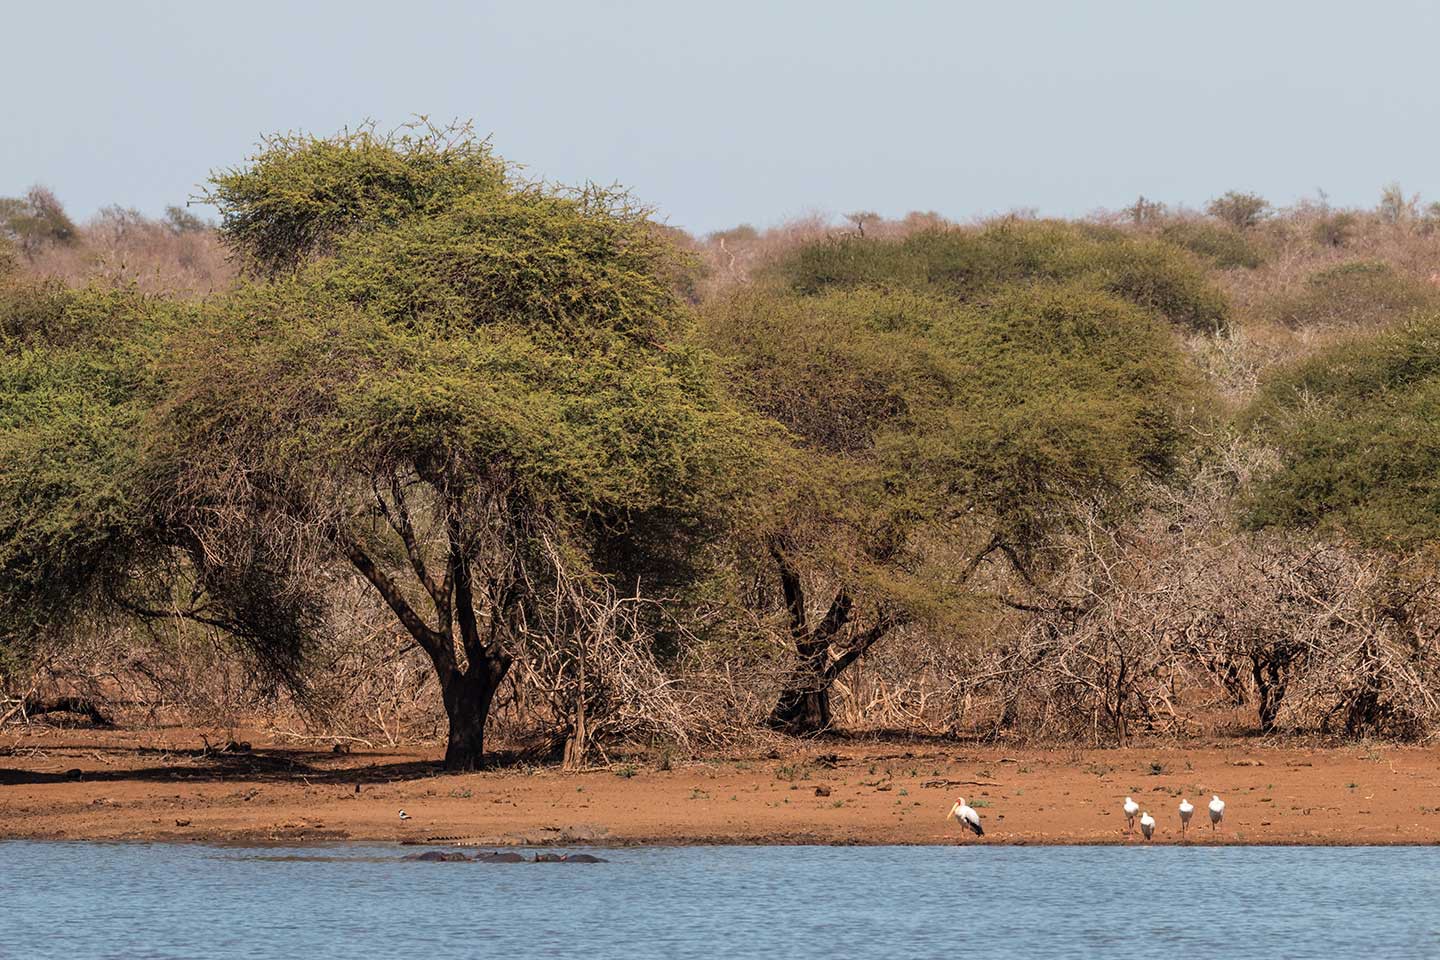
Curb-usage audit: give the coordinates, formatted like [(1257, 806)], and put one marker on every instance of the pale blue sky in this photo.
[(730, 111)]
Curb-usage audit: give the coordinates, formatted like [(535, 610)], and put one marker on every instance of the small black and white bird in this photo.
[(1186, 809), (1131, 808), (967, 816), (1147, 824), (404, 815), (1217, 810)]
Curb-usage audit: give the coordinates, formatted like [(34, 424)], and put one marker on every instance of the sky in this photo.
[(732, 111)]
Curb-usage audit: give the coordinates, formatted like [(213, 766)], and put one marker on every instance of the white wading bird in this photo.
[(404, 815), (1217, 810), (967, 816), (1147, 824), (1186, 809), (1131, 808)]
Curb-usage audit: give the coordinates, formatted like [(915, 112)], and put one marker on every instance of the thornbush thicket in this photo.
[(1361, 293)]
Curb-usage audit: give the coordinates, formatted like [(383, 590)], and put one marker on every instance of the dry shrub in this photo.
[(121, 246), (150, 676), (1154, 627)]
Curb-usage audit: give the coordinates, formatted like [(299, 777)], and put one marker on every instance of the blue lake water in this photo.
[(134, 901)]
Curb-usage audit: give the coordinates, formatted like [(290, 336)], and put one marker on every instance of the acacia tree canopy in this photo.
[(300, 193)]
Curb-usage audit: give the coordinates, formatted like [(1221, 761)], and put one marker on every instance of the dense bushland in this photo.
[(406, 444)]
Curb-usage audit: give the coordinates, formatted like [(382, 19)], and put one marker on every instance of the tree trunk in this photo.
[(1269, 672), (77, 705), (804, 704), (467, 705), (467, 693)]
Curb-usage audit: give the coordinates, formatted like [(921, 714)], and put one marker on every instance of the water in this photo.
[(138, 901)]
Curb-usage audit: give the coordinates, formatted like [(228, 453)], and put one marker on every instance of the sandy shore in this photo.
[(162, 785)]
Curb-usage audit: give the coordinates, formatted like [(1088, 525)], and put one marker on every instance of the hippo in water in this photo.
[(509, 856), (438, 856)]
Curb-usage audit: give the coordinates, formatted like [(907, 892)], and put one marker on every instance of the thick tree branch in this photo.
[(80, 705), (435, 643), (793, 589), (399, 520), (1013, 556), (146, 613), (860, 645), (996, 543), (478, 650), (835, 618)]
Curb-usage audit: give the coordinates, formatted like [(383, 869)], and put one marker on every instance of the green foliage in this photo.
[(1359, 293), (1160, 279), (972, 264), (36, 219), (1358, 430), (832, 369), (300, 192), (459, 320), (82, 541), (1240, 210), (1223, 246), (1063, 394), (311, 392), (9, 258), (585, 265)]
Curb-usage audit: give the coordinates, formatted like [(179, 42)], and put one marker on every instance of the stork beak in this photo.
[(953, 811)]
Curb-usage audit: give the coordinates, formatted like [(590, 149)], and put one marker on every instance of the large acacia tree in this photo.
[(926, 435), (466, 386)]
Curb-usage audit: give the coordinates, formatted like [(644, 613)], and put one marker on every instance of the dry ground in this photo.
[(165, 785)]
